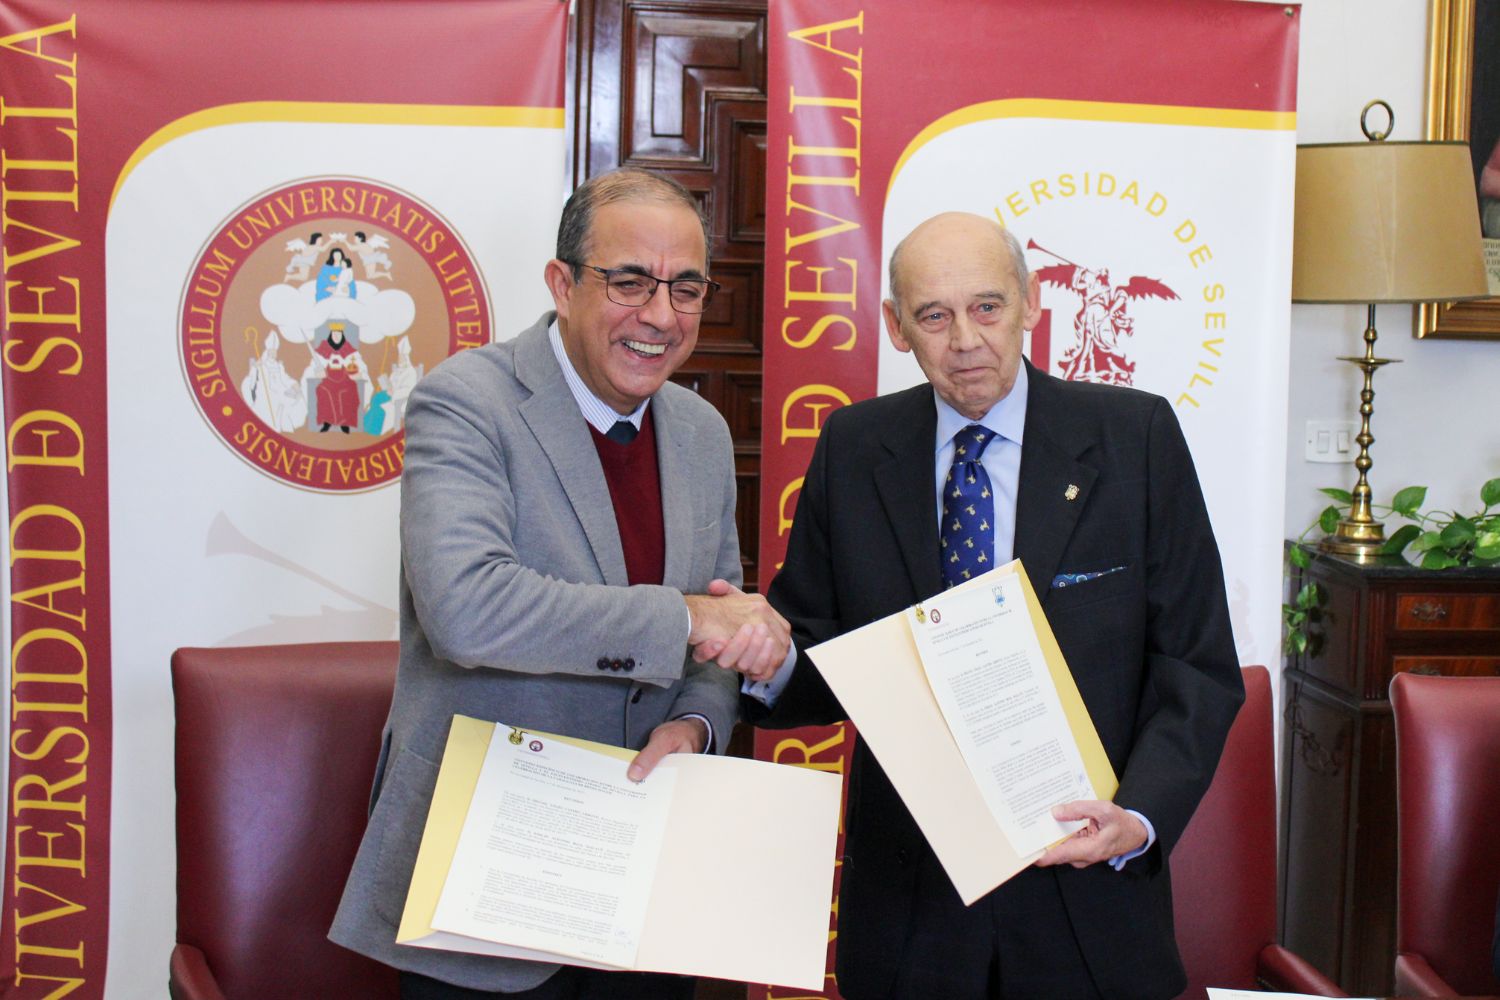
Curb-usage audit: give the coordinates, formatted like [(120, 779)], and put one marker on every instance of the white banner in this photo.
[(242, 511), (1153, 275)]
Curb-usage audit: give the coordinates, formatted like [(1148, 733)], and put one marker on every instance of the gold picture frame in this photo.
[(1450, 101)]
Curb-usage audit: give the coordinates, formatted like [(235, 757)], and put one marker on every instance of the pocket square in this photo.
[(1072, 579)]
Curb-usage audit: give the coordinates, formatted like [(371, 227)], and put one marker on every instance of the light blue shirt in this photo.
[(1001, 458), (599, 414)]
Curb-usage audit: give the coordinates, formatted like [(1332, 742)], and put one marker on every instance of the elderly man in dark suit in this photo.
[(1093, 489), (564, 511)]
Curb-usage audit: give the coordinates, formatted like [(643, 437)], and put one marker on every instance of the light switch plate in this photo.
[(1331, 441)]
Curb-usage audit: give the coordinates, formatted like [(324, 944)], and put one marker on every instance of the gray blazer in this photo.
[(513, 590)]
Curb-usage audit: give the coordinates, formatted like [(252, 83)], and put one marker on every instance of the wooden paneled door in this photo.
[(680, 86)]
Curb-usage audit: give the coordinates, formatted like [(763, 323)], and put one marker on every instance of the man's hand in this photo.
[(675, 736), (739, 631), (1110, 831)]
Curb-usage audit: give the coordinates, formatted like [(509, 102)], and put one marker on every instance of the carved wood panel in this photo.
[(680, 86)]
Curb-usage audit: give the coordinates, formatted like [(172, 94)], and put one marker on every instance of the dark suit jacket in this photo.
[(1150, 645)]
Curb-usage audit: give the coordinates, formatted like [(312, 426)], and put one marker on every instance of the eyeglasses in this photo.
[(633, 288)]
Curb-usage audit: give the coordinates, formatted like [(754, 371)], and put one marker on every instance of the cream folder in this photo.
[(762, 834), (877, 675)]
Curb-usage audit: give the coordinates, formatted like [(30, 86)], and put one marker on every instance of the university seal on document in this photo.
[(310, 315)]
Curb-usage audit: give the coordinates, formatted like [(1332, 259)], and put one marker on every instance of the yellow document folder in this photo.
[(877, 675), (729, 818)]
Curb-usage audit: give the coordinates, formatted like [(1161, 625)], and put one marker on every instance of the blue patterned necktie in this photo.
[(968, 536)]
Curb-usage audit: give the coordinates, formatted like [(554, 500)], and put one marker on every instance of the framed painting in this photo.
[(1463, 103)]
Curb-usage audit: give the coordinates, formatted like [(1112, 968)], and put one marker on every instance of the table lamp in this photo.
[(1380, 221)]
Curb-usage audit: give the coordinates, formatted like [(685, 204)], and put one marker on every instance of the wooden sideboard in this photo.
[(1338, 817)]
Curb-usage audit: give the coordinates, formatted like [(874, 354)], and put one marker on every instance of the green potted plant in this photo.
[(1437, 539)]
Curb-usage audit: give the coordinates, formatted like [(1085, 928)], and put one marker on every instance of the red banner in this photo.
[(87, 91), (857, 90)]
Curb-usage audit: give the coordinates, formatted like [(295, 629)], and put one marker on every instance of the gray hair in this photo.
[(1012, 246), (625, 184)]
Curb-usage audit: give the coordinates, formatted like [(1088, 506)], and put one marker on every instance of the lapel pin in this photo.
[(1071, 492)]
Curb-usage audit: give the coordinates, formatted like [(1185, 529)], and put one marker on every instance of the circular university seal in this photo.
[(310, 315)]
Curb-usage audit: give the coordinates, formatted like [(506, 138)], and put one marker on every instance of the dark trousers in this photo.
[(1017, 943), (570, 983)]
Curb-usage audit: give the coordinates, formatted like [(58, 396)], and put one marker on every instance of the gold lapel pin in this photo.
[(1071, 492)]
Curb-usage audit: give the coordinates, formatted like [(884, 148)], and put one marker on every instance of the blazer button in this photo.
[(603, 663), (903, 856), (616, 664), (629, 663)]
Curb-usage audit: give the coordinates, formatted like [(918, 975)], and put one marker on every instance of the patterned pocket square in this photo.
[(1072, 579)]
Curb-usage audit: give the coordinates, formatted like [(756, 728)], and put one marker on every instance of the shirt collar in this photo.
[(599, 414), (1006, 418)]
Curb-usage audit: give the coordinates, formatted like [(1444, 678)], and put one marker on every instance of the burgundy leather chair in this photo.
[(276, 749), (1447, 853), (1224, 869)]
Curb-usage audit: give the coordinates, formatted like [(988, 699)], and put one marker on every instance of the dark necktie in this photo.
[(968, 536), (623, 432)]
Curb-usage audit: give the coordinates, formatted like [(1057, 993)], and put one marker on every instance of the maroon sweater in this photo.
[(635, 491)]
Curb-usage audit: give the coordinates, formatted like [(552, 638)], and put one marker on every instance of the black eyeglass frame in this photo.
[(710, 286)]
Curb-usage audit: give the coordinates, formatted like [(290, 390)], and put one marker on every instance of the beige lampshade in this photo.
[(1386, 222)]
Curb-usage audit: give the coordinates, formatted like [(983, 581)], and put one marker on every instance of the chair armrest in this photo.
[(1414, 977), (188, 977), (1287, 972)]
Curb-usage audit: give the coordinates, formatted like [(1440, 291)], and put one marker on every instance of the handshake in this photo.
[(739, 631)]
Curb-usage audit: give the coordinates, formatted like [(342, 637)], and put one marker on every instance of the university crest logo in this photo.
[(311, 314), (1132, 292), (1099, 352)]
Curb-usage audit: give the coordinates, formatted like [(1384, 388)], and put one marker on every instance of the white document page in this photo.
[(984, 663), (1217, 993), (764, 834), (558, 852), (789, 814)]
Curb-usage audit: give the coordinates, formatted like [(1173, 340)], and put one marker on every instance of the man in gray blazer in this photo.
[(565, 512)]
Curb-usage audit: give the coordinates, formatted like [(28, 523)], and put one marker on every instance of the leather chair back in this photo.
[(276, 750), (1448, 812), (1224, 865)]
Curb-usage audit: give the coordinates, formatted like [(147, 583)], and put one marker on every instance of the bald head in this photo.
[(960, 302), (961, 228)]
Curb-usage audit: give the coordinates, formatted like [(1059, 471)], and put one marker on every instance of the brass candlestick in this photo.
[(1360, 535)]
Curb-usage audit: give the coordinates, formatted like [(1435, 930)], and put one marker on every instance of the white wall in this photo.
[(1437, 414)]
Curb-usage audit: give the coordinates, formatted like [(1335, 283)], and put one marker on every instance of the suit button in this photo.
[(903, 856), (603, 663), (635, 698), (629, 663), (616, 664)]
